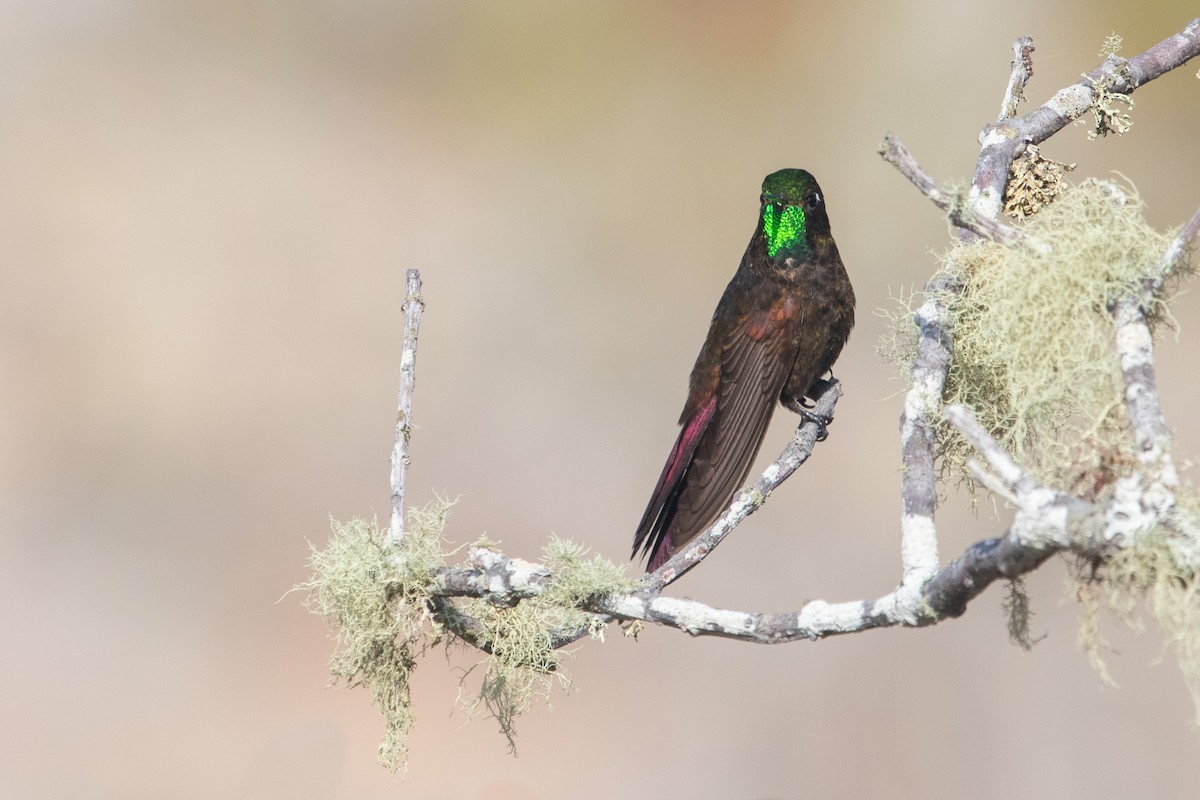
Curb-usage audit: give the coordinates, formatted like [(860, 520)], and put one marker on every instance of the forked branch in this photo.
[(1046, 520), (1100, 527)]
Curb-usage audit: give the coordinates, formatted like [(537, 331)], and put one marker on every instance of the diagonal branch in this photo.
[(960, 214), (1176, 252), (1002, 142), (748, 500)]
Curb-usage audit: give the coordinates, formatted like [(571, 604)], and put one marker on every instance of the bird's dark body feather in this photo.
[(779, 326)]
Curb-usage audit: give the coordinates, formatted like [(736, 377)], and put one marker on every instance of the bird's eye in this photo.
[(812, 201)]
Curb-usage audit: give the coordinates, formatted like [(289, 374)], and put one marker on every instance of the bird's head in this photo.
[(792, 217)]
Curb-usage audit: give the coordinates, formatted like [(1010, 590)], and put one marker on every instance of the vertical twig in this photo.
[(918, 445), (1135, 345), (414, 304), (1022, 71)]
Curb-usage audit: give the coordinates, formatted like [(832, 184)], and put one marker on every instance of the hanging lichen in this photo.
[(378, 601)]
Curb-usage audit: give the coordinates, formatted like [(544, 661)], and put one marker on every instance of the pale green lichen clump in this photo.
[(1034, 357), (377, 600), (524, 666), (1033, 337)]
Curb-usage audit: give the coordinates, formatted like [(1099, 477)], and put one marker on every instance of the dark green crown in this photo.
[(787, 186)]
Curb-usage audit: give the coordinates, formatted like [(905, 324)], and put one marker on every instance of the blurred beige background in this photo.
[(206, 213)]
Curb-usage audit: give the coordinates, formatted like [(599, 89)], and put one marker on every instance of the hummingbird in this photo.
[(779, 326)]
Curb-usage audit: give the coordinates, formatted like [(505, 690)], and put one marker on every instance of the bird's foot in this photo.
[(804, 407), (820, 420)]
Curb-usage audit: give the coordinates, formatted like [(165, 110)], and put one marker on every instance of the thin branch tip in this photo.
[(960, 213), (1022, 71), (412, 307)]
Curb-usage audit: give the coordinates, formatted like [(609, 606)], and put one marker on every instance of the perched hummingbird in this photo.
[(778, 328)]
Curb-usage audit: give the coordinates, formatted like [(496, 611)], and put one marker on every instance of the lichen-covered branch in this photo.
[(1151, 491), (979, 217), (1128, 515), (1002, 142), (1050, 522), (918, 481), (1135, 347), (1047, 522)]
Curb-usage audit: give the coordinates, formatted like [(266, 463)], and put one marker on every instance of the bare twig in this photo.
[(1009, 472), (1178, 249), (414, 304), (1002, 142), (990, 481), (960, 215), (1022, 71), (462, 625)]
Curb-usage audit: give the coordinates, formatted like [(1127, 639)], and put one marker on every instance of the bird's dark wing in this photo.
[(753, 370), (652, 530), (719, 440)]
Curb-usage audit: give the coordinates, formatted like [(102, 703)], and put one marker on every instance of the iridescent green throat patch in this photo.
[(784, 227)]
